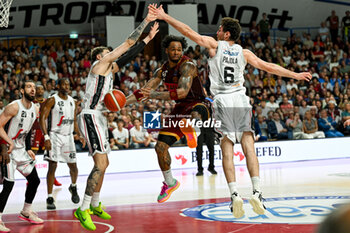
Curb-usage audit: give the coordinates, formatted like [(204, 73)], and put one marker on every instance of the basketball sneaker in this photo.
[(50, 203), (3, 228), (31, 217), (85, 219), (236, 206), (99, 211), (189, 132), (167, 190), (75, 196), (56, 183), (256, 202)]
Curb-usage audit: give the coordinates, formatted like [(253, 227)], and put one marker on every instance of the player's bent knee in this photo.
[(161, 147)]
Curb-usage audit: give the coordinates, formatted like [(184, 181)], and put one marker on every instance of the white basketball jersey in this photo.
[(19, 126), (226, 69), (61, 118), (97, 87)]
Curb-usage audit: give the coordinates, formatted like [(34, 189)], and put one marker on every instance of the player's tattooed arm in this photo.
[(92, 181), (188, 72), (153, 83)]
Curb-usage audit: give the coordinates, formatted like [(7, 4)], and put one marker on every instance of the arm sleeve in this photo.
[(28, 140), (130, 54)]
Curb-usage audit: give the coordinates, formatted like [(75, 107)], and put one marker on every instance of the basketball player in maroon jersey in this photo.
[(180, 76)]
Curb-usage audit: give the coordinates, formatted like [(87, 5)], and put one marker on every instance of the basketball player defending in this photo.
[(38, 141), (91, 121), (180, 76), (231, 105), (15, 131), (59, 142)]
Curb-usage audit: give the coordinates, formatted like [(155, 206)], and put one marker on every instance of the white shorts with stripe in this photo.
[(235, 113), (62, 149), (93, 126), (21, 161)]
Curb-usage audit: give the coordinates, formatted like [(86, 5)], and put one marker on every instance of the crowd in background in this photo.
[(283, 108)]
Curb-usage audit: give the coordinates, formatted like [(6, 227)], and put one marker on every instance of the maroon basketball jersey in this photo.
[(39, 103), (171, 76)]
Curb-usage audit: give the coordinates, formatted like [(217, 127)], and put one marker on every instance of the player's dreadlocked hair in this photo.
[(231, 25), (170, 38)]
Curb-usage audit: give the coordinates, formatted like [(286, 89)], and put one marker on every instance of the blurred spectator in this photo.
[(260, 129), (333, 112), (333, 24), (345, 26), (323, 31), (286, 106), (345, 115), (121, 135), (110, 121), (264, 27), (311, 126), (139, 136), (277, 128), (297, 128), (328, 125), (272, 105)]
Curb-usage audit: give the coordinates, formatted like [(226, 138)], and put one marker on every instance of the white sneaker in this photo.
[(3, 228), (31, 217), (236, 206), (256, 202)]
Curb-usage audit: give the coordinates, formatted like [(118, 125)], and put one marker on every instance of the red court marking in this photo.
[(150, 218)]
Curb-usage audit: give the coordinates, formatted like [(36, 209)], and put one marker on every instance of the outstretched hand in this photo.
[(347, 123), (154, 30), (304, 76), (159, 12), (152, 14)]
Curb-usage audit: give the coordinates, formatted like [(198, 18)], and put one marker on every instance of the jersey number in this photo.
[(229, 75)]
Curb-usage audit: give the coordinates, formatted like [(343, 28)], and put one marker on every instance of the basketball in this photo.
[(114, 100)]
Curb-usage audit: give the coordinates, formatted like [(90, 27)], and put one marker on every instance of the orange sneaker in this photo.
[(189, 132)]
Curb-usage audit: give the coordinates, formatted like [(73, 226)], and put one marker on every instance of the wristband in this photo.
[(138, 95), (173, 95), (47, 137)]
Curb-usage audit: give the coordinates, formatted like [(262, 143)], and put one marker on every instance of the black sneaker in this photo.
[(199, 173), (50, 203), (75, 196), (212, 171)]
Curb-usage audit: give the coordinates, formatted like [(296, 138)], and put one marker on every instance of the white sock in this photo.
[(50, 195), (86, 202), (233, 187), (256, 183), (168, 177), (95, 200), (73, 185), (27, 207)]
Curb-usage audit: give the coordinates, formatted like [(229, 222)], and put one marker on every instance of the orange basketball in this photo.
[(114, 100)]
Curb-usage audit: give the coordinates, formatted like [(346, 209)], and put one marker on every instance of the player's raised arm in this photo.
[(110, 57), (152, 84), (10, 111), (273, 68), (136, 49), (184, 29)]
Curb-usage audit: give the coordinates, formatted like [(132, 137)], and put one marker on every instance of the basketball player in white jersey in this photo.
[(15, 130), (58, 121), (227, 63), (93, 124)]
